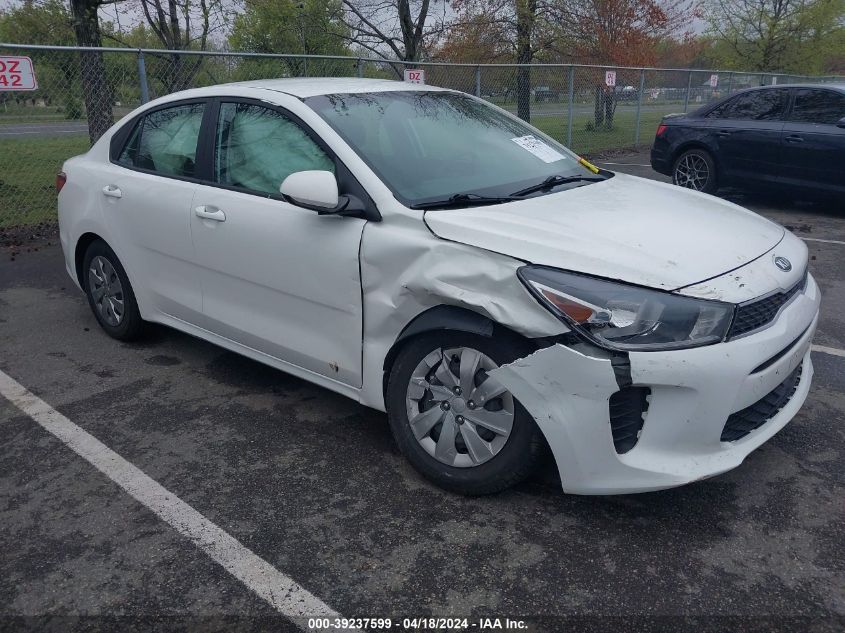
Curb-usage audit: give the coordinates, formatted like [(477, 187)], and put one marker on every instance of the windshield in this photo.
[(428, 146)]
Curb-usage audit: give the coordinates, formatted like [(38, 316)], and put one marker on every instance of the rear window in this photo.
[(756, 105), (165, 141)]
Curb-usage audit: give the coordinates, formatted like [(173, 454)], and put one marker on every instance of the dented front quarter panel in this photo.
[(406, 270)]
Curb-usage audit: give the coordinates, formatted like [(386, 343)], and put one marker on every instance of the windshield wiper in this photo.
[(463, 200), (554, 181)]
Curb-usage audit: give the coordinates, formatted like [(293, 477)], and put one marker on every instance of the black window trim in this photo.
[(347, 182), (118, 141)]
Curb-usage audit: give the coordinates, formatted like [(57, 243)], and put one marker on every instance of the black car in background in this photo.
[(774, 137)]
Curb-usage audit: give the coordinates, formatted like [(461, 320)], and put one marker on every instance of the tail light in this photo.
[(660, 129), (61, 179)]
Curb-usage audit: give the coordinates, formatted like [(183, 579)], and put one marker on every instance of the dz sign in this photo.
[(415, 76), (17, 73)]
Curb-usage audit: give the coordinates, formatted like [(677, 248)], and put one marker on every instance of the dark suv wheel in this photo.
[(695, 169), (458, 426)]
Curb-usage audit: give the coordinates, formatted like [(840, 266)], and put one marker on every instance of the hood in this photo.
[(626, 228)]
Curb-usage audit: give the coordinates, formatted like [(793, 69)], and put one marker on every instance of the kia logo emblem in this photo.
[(783, 263)]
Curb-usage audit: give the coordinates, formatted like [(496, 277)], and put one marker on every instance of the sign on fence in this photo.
[(415, 76), (610, 78), (17, 73), (714, 81)]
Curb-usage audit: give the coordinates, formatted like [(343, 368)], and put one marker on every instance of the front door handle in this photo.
[(210, 213), (112, 191), (794, 139)]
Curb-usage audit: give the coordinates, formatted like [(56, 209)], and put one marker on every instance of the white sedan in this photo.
[(432, 256)]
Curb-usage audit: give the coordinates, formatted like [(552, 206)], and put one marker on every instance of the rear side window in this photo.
[(165, 141), (257, 148), (757, 105), (818, 106)]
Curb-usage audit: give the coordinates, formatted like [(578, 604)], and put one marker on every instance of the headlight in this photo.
[(624, 317)]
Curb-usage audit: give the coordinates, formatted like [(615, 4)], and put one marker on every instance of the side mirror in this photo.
[(841, 122), (315, 190)]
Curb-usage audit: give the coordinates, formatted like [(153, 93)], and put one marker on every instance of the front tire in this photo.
[(110, 294), (457, 426), (695, 169)]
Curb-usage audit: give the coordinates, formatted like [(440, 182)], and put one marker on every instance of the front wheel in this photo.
[(457, 426), (695, 169)]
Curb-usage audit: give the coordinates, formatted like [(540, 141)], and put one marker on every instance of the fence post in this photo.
[(570, 105), (689, 88), (142, 77), (360, 68), (478, 81), (639, 105), (730, 82)]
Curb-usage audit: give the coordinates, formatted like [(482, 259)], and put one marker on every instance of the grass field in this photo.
[(28, 170), (28, 166)]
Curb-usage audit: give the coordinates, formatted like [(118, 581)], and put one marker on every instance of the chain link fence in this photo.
[(572, 103)]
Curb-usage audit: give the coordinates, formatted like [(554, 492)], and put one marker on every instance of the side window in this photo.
[(757, 105), (165, 141), (257, 148), (818, 106)]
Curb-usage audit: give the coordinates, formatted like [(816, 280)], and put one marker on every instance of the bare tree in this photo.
[(98, 99), (523, 26), (182, 25), (397, 29)]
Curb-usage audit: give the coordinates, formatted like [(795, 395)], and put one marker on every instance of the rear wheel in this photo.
[(458, 426), (110, 294), (695, 169)]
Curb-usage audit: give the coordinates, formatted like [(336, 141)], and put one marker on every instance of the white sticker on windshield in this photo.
[(541, 150)]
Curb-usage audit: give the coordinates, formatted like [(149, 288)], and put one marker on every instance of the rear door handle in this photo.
[(723, 133), (112, 191), (794, 139), (210, 213)]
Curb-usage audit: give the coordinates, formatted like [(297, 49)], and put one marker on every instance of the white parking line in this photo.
[(815, 239), (828, 350), (281, 592)]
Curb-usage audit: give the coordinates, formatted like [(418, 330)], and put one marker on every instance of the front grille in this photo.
[(627, 416), (752, 417), (756, 314)]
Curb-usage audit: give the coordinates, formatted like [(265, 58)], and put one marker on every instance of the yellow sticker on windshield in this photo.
[(588, 165)]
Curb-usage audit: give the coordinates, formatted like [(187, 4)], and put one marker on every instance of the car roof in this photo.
[(835, 86), (303, 87)]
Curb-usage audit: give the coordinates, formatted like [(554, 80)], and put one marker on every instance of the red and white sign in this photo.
[(17, 73), (415, 76), (714, 81), (610, 78)]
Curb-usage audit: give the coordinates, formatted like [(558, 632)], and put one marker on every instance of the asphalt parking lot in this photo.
[(312, 484)]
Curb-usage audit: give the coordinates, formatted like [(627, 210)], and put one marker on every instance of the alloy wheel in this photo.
[(459, 414), (106, 290), (692, 172)]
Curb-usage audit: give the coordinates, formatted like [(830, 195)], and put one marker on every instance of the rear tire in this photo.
[(695, 169), (468, 447), (110, 294)]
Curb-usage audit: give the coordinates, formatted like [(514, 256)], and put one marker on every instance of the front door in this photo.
[(275, 277)]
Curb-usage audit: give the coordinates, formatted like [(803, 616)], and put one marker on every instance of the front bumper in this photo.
[(693, 393)]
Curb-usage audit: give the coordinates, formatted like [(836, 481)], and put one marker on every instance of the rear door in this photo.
[(146, 193), (812, 145), (746, 134)]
